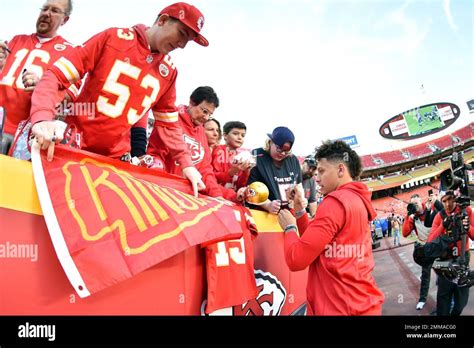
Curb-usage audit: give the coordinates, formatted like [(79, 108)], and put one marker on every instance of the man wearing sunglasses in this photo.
[(25, 58), (277, 168)]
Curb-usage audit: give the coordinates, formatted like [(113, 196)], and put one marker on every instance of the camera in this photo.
[(455, 272), (411, 208), (459, 176)]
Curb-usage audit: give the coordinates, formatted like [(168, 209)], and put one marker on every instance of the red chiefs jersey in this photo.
[(125, 80), (221, 162), (230, 268), (36, 55), (196, 140)]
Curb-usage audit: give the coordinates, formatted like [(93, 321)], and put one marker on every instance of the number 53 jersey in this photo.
[(124, 81)]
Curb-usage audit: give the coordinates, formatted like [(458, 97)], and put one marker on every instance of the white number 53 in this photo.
[(122, 92)]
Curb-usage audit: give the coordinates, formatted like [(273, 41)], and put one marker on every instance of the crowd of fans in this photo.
[(187, 140)]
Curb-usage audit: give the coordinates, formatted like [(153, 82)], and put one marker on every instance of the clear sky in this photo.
[(324, 68)]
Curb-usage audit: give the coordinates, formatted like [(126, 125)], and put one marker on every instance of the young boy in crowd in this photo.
[(231, 166)]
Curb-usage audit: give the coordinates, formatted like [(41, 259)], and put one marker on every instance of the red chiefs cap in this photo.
[(189, 16)]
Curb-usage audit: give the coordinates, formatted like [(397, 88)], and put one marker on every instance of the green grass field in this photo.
[(415, 127)]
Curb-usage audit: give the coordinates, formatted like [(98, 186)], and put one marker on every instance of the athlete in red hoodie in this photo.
[(336, 244)]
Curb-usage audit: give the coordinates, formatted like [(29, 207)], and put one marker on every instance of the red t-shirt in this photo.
[(221, 162), (36, 55), (125, 80)]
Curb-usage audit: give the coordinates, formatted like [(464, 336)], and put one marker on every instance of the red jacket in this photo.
[(221, 162), (409, 223), (196, 140), (438, 229), (337, 247)]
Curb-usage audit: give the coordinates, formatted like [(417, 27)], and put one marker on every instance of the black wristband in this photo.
[(291, 227), (138, 141)]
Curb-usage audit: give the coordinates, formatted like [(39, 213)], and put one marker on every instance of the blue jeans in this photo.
[(396, 237)]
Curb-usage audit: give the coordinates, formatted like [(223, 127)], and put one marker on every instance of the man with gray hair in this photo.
[(25, 58)]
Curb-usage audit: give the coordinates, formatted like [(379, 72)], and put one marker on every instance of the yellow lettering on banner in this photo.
[(92, 186), (95, 197), (146, 209), (158, 208), (198, 201), (159, 192), (176, 231), (143, 192), (182, 202)]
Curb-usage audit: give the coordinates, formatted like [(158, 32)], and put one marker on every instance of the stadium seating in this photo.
[(367, 161), (388, 205), (443, 142), (391, 156), (464, 133), (420, 150), (436, 184)]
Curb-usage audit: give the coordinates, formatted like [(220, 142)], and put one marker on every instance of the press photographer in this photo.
[(452, 223), (419, 219)]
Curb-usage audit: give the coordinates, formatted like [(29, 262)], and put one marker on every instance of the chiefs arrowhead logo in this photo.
[(270, 300), (195, 148)]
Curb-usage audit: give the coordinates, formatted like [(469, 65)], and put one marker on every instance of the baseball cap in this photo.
[(190, 16), (311, 161), (282, 135), (444, 194)]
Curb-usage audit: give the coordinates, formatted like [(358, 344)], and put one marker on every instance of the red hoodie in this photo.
[(196, 140), (337, 247)]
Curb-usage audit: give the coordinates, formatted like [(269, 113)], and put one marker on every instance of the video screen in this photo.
[(422, 120)]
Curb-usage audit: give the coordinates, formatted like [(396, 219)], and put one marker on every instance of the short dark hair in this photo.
[(204, 93), (339, 151), (234, 124)]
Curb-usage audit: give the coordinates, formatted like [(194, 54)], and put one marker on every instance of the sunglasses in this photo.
[(285, 149)]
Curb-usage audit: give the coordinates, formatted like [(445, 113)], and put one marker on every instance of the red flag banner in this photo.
[(109, 220)]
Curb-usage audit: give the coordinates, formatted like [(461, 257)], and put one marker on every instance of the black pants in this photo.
[(447, 291), (425, 283)]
